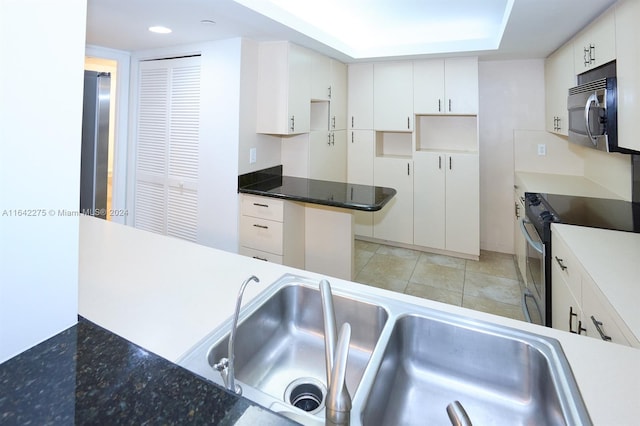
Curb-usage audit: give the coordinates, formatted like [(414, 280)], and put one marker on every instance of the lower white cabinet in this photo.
[(578, 305), (328, 155), (395, 221), (360, 152), (272, 230), (446, 197)]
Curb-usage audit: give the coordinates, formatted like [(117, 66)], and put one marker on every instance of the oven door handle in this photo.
[(525, 309), (537, 245)]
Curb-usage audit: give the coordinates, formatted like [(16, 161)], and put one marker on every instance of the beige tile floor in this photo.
[(491, 284)]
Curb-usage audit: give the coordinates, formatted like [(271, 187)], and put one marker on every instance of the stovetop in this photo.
[(602, 213)]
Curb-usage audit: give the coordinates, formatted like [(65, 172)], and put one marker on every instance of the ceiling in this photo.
[(532, 29)]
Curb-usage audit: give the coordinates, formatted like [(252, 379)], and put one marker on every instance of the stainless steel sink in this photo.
[(280, 345), (406, 362), (500, 376)]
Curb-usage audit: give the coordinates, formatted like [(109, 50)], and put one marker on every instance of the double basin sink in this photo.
[(406, 363)]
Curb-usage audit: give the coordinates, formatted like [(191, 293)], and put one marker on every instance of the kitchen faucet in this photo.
[(226, 365), (338, 400)]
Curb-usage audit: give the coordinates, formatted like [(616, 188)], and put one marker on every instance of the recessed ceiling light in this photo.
[(159, 29)]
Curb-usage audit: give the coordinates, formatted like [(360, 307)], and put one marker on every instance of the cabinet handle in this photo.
[(260, 226), (333, 138), (449, 163), (329, 91), (571, 315), (351, 137), (449, 105), (260, 258), (333, 122), (408, 124), (562, 267), (439, 162), (581, 328), (329, 139), (293, 122), (408, 169), (586, 61), (598, 325), (352, 121), (439, 105), (261, 205), (517, 210), (592, 53)]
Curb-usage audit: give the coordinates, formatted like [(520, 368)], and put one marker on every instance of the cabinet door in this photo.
[(299, 93), (559, 77), (428, 86), (596, 45), (627, 16), (338, 159), (360, 96), (320, 76), (395, 221), (429, 199), (461, 86), (393, 96), (338, 103), (360, 150), (320, 155), (566, 314), (462, 199)]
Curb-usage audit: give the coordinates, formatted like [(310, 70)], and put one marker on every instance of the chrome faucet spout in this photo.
[(226, 366), (338, 400)]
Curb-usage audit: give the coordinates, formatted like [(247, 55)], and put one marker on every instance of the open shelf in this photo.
[(319, 115), (393, 144), (446, 133)]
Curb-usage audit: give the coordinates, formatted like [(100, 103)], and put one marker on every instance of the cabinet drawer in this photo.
[(261, 255), (260, 234), (563, 260), (596, 307), (262, 207)]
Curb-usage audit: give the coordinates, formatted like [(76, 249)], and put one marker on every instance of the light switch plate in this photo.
[(542, 149), (252, 155)]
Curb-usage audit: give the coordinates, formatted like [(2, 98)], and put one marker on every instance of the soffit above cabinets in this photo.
[(350, 30)]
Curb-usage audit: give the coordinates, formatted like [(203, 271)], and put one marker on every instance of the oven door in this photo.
[(533, 297)]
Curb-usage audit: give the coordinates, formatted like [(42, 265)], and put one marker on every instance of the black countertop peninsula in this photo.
[(88, 375), (271, 183)]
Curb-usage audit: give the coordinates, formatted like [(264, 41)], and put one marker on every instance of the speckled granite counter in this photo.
[(88, 375), (271, 183)]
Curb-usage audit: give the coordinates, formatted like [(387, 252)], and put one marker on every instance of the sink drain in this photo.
[(307, 394)]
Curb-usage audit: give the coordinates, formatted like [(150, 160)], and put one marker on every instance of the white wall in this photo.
[(511, 97), (41, 122)]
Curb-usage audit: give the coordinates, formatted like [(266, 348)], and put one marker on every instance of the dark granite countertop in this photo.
[(88, 375), (271, 183)]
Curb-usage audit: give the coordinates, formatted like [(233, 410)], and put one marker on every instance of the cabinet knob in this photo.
[(562, 267), (598, 325), (571, 315), (449, 105)]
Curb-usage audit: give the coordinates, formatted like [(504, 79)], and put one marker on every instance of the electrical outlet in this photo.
[(252, 155), (542, 149)]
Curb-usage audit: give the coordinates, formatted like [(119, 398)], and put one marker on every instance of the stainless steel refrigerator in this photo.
[(95, 144)]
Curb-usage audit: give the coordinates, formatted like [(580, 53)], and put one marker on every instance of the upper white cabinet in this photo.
[(320, 77), (338, 96), (284, 89), (596, 44), (360, 96), (445, 86), (393, 96), (627, 16), (328, 155), (559, 78)]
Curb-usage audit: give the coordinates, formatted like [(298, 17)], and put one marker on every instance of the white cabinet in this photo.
[(328, 155), (578, 305), (596, 44), (360, 96), (559, 77), (393, 96), (395, 221), (284, 89), (320, 76), (446, 196), (627, 16), (445, 86), (360, 152), (272, 230), (338, 96)]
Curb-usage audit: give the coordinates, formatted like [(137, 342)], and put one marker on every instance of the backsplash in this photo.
[(610, 170)]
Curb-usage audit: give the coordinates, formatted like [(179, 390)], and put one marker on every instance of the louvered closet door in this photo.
[(166, 193)]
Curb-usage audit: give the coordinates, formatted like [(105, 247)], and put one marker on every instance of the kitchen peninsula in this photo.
[(310, 226)]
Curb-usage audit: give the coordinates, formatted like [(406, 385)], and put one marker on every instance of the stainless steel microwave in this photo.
[(593, 118)]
